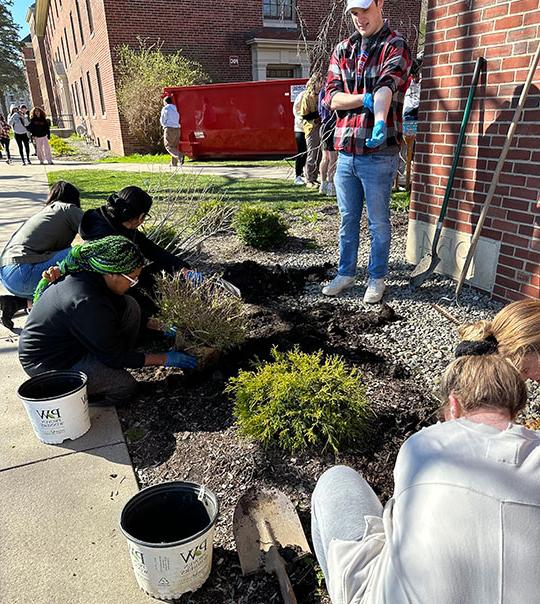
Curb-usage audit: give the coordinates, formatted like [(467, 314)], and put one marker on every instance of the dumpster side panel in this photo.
[(237, 120)]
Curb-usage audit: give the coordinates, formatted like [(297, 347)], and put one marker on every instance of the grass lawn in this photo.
[(97, 185), (164, 158)]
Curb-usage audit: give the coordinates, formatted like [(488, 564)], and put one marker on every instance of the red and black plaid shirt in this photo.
[(358, 66)]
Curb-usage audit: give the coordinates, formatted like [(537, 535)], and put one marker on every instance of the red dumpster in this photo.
[(242, 119)]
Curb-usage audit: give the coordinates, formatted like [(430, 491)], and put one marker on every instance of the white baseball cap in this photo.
[(358, 4)]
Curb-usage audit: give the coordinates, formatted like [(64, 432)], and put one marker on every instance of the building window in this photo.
[(280, 72), (76, 99), (83, 94), (73, 34), (100, 89), (63, 49), (67, 45), (90, 93), (278, 9), (80, 21), (90, 19), (56, 7)]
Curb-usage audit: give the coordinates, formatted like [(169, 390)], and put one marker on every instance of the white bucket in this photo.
[(170, 533), (57, 405)]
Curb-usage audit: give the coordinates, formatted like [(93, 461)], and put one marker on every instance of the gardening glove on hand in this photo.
[(170, 333), (194, 276), (378, 135), (368, 102), (179, 359)]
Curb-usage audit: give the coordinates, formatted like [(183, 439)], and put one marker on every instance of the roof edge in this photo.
[(41, 13)]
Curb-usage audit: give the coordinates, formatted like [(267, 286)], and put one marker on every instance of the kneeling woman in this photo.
[(85, 322), (464, 522)]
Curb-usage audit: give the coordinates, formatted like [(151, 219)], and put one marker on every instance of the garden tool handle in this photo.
[(500, 164), (479, 67), (278, 566)]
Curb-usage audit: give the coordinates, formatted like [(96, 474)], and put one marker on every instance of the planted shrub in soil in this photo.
[(204, 314), (299, 401), (260, 228)]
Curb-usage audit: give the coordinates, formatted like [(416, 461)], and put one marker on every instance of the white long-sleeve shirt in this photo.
[(463, 526), (170, 118)]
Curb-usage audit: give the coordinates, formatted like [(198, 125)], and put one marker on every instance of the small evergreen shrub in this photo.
[(259, 227), (204, 314), (60, 147), (300, 400)]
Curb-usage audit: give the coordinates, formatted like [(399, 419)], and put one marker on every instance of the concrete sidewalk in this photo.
[(60, 541)]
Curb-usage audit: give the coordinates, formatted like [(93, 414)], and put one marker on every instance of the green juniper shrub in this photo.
[(259, 227), (60, 147), (204, 314), (299, 400)]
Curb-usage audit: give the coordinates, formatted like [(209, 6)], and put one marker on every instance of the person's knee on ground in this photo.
[(121, 389)]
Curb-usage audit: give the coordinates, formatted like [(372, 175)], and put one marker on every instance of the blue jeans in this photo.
[(22, 279), (358, 178)]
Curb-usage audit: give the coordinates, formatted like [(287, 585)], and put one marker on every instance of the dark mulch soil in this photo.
[(182, 427)]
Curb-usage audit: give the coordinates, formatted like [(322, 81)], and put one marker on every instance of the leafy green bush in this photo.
[(60, 147), (259, 227), (400, 201), (300, 400), (204, 314), (143, 72)]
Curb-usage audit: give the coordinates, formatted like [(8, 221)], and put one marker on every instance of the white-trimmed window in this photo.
[(278, 10)]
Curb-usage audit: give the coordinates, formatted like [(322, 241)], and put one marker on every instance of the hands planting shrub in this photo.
[(203, 313), (301, 400), (259, 227)]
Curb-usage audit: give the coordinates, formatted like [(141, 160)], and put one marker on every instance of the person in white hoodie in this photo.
[(170, 122), (463, 525)]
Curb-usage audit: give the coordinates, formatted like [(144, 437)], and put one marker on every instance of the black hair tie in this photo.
[(477, 347)]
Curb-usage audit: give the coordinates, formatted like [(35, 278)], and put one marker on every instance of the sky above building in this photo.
[(19, 10)]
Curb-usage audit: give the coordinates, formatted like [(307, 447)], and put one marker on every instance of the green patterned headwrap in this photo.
[(110, 255)]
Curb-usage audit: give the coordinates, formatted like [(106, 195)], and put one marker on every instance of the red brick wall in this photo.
[(32, 76), (507, 35), (104, 126)]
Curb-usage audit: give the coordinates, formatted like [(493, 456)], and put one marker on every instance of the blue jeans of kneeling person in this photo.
[(365, 178), (22, 279)]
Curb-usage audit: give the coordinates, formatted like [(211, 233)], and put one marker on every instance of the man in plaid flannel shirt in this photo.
[(366, 85)]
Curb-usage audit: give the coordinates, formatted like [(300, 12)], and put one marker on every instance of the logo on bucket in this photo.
[(194, 553), (49, 414)]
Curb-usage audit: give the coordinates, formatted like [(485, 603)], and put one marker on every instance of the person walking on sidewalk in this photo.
[(301, 149), (19, 121), (312, 125), (40, 128), (5, 129), (170, 122), (366, 84)]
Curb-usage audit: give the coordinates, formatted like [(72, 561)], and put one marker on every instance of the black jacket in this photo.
[(39, 127), (75, 316), (97, 224)]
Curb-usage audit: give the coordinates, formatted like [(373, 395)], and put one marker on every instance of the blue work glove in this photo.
[(378, 135), (368, 102), (170, 333), (195, 277), (179, 359)]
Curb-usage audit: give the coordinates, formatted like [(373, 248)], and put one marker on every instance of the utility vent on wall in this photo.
[(452, 250)]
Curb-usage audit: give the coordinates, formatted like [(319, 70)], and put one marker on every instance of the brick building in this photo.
[(506, 262), (244, 40), (31, 72)]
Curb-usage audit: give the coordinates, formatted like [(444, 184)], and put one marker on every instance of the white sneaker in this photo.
[(375, 290), (330, 190), (322, 187), (337, 285), (299, 181)]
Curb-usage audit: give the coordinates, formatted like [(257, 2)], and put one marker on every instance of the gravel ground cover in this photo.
[(182, 426)]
